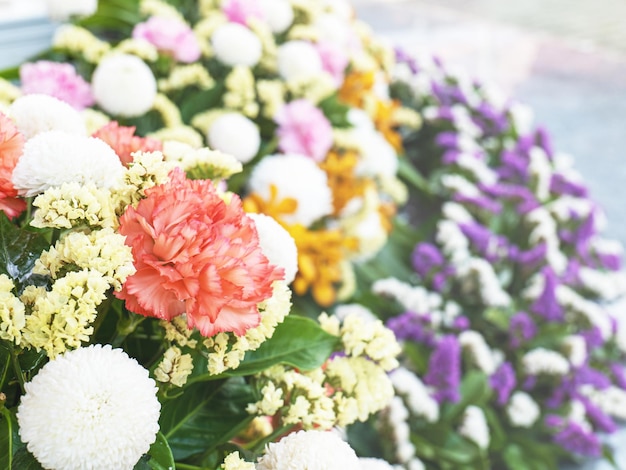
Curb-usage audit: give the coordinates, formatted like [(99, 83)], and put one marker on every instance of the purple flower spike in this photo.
[(547, 304), (503, 381), (425, 258), (574, 438), (444, 370), (522, 328)]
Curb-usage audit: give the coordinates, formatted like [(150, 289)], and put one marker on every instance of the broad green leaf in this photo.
[(9, 439), (24, 460), (514, 457), (206, 415), (159, 457), (474, 391)]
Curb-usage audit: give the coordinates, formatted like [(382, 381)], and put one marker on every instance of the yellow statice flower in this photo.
[(304, 32), (140, 48), (314, 89), (168, 110), (12, 312), (61, 318), (203, 121), (234, 462), (268, 43), (101, 250), (73, 205), (81, 42), (204, 29), (271, 401), (271, 94), (8, 92), (94, 120), (241, 92), (176, 331), (174, 368), (183, 76), (185, 134), (202, 163)]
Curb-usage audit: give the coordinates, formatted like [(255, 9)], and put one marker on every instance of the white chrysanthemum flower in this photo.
[(378, 157), (278, 14), (297, 177), (63, 10), (310, 450), (359, 119), (235, 134), (54, 157), (374, 464), (124, 85), (298, 60), (37, 113), (90, 408), (522, 410), (277, 244), (474, 426), (234, 44)]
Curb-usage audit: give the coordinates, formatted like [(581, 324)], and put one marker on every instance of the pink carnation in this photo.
[(123, 140), (303, 129), (171, 36), (11, 145), (239, 11), (334, 60), (56, 79), (198, 255)]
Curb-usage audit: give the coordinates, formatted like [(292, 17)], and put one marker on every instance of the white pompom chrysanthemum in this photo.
[(234, 44), (235, 134), (374, 464), (378, 157), (297, 177), (309, 450), (36, 113), (277, 244), (124, 85), (298, 60), (63, 10), (55, 157), (90, 408), (278, 14)]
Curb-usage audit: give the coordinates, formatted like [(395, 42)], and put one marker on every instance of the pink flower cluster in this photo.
[(240, 11), (11, 145), (170, 36)]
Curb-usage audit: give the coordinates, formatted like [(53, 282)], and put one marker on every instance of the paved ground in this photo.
[(564, 58)]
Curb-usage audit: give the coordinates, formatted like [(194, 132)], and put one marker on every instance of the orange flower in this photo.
[(11, 144), (123, 140), (198, 255), (273, 207), (355, 86), (384, 122), (339, 168)]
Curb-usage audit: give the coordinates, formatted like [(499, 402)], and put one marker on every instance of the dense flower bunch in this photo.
[(512, 350), (297, 91)]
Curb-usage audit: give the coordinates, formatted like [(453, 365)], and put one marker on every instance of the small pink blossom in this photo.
[(240, 11), (171, 36), (303, 129), (56, 79), (334, 60)]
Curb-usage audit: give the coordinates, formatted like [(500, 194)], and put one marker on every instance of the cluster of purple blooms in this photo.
[(518, 247)]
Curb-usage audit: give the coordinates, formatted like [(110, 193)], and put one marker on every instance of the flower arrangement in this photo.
[(513, 354)]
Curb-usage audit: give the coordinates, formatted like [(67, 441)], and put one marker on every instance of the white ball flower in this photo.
[(36, 113), (235, 134), (297, 177), (309, 450), (63, 10), (298, 60), (90, 408), (124, 85), (52, 158), (374, 464), (278, 14), (378, 157), (277, 244), (234, 44)]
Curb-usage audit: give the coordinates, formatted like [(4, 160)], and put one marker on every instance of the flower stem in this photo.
[(185, 466), (18, 370)]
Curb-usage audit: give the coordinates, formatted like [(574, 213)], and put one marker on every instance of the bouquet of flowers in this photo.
[(513, 356)]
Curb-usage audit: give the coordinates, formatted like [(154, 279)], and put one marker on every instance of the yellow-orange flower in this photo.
[(355, 86), (344, 184), (273, 207), (385, 123)]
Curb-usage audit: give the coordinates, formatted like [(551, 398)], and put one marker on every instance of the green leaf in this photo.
[(159, 457), (206, 415), (24, 460), (19, 249), (9, 439)]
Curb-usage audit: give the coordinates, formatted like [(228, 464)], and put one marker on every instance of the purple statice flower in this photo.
[(481, 202), (571, 275), (609, 261), (410, 326), (444, 370), (561, 392), (525, 143), (593, 338), (601, 420), (513, 166), (450, 156), (426, 258), (488, 244), (531, 257), (403, 57), (447, 139), (503, 381), (585, 232), (441, 94), (544, 141), (560, 185), (522, 328), (547, 305), (574, 438), (461, 323), (587, 375), (619, 375), (490, 120), (521, 195)]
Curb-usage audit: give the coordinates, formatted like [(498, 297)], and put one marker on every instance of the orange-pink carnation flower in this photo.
[(123, 140), (11, 145), (195, 254)]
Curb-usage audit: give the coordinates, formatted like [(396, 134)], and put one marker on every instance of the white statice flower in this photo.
[(37, 113), (235, 134), (522, 116), (368, 463), (55, 157), (545, 229), (93, 407), (416, 396), (458, 184), (456, 213), (454, 244), (478, 276), (609, 285), (277, 244), (578, 306), (297, 177), (565, 207), (298, 60), (278, 14), (124, 85), (413, 298), (545, 361), (541, 172), (575, 349), (63, 10), (474, 427), (378, 157), (481, 171), (309, 450), (479, 350), (611, 400), (522, 410), (234, 44)]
